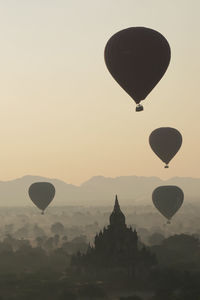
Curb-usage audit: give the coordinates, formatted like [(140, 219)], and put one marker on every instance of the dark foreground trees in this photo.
[(31, 273)]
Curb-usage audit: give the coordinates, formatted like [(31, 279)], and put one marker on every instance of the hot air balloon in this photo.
[(41, 193), (137, 58), (165, 143), (168, 199)]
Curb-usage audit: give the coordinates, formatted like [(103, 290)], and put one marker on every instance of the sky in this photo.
[(63, 116)]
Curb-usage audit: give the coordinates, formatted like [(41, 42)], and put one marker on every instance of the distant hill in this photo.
[(97, 191)]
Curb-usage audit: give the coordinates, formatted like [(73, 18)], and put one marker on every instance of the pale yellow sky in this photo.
[(63, 116)]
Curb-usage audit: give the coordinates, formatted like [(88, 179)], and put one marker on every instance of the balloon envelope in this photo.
[(41, 193), (168, 199), (165, 142), (137, 58)]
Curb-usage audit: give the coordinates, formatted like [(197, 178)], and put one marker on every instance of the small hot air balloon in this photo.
[(41, 193), (168, 199), (137, 58), (165, 143)]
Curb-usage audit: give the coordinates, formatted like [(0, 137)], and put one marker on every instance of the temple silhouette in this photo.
[(115, 250)]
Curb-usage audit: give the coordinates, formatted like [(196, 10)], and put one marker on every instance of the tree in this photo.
[(156, 239), (56, 240), (40, 241), (57, 228), (38, 231), (49, 244), (65, 238), (182, 242), (178, 249)]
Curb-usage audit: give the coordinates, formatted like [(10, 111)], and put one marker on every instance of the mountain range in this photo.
[(97, 191)]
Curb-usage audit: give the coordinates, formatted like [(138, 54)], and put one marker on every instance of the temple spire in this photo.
[(116, 207), (117, 218)]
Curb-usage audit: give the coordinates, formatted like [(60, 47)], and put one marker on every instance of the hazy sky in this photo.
[(62, 114)]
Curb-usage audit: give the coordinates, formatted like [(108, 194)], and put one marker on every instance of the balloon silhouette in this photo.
[(165, 143), (41, 193), (137, 58), (168, 199)]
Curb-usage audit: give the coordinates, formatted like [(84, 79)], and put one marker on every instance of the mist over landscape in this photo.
[(85, 209)]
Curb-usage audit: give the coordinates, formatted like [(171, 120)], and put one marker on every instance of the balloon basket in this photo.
[(166, 167), (168, 222), (139, 107), (42, 213)]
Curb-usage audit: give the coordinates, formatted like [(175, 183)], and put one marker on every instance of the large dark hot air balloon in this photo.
[(165, 142), (137, 58), (168, 199), (41, 193)]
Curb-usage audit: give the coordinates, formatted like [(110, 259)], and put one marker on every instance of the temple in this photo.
[(115, 248)]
